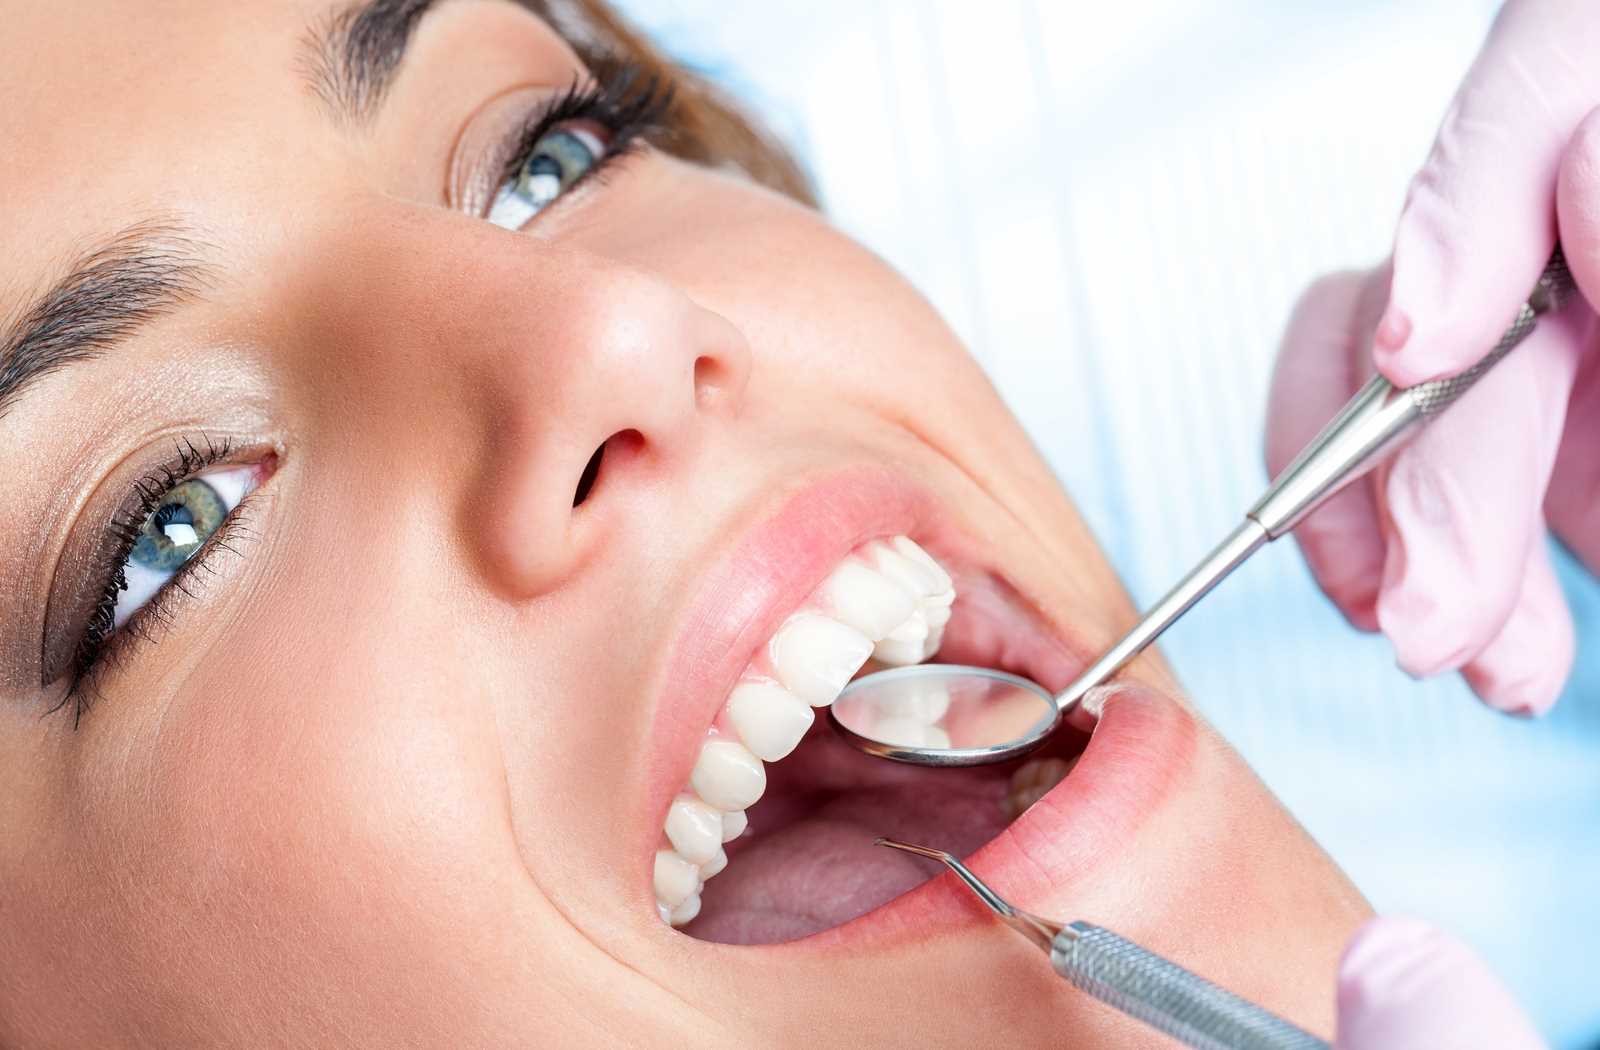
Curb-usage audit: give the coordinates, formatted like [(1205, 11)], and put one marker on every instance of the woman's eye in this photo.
[(187, 516), (558, 159)]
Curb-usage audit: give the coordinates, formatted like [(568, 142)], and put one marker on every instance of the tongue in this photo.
[(810, 864)]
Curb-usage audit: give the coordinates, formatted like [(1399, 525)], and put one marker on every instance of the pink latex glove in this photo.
[(1403, 984), (1444, 550)]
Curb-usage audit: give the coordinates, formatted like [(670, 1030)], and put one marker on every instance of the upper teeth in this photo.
[(888, 599)]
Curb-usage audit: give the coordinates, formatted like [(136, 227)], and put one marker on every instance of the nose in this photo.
[(574, 387), (596, 387)]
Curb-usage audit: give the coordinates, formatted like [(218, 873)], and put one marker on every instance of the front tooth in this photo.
[(727, 775), (714, 866), (937, 616), (911, 575), (768, 718), (733, 825), (865, 600), (905, 644), (685, 912), (814, 657), (915, 629), (675, 878), (694, 828), (665, 913), (904, 545)]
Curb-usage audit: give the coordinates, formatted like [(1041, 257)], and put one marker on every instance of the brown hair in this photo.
[(705, 126)]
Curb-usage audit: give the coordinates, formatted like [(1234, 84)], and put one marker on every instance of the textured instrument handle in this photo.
[(1554, 287), (1167, 997)]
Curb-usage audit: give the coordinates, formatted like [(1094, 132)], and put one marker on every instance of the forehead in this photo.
[(95, 62), (113, 108)]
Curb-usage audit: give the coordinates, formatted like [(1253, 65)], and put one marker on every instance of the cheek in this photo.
[(339, 808), (1232, 859)]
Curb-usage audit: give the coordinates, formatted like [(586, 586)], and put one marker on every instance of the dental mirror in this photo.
[(954, 715), (945, 715)]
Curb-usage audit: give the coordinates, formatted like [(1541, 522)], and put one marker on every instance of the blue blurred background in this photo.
[(1115, 205)]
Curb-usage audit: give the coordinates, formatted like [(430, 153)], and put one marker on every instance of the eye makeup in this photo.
[(619, 107), (175, 520)]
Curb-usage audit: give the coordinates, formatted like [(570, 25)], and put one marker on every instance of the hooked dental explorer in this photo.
[(1140, 983), (996, 716)]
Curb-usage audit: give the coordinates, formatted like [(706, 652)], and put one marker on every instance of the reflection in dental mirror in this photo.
[(945, 715)]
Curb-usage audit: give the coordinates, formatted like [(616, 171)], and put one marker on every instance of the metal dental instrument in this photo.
[(1141, 984), (949, 715)]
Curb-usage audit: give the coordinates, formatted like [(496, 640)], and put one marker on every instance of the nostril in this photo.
[(591, 470), (714, 380)]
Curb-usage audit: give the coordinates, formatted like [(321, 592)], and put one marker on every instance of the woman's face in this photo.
[(388, 757)]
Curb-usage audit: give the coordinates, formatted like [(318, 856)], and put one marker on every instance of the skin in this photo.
[(363, 790)]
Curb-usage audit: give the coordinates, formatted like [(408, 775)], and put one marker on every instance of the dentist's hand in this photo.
[(1444, 550), (1403, 984)]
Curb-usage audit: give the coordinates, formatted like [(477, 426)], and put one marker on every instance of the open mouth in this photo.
[(771, 839)]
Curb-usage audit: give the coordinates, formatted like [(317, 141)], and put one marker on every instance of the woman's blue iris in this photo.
[(179, 526), (559, 159)]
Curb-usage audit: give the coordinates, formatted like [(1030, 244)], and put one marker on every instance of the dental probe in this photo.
[(1141, 984), (1372, 424)]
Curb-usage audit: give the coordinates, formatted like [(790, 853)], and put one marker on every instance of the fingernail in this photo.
[(1358, 601), (1526, 696), (1394, 329), (1401, 357), (1363, 614), (1524, 672)]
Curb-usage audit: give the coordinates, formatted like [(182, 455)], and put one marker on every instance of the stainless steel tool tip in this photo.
[(1038, 930)]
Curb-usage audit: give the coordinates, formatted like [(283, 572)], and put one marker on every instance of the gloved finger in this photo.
[(1578, 205), (1523, 669), (1479, 219), (1463, 504), (1403, 983), (1570, 505), (1322, 361)]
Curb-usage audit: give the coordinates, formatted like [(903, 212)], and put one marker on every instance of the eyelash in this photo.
[(102, 642), (632, 106)]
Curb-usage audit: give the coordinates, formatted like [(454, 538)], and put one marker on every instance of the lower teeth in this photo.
[(1033, 780)]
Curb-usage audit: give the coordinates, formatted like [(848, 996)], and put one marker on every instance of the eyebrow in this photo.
[(350, 60), (351, 56), (111, 292)]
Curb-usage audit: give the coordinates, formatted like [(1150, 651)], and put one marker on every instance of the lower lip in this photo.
[(1142, 747)]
